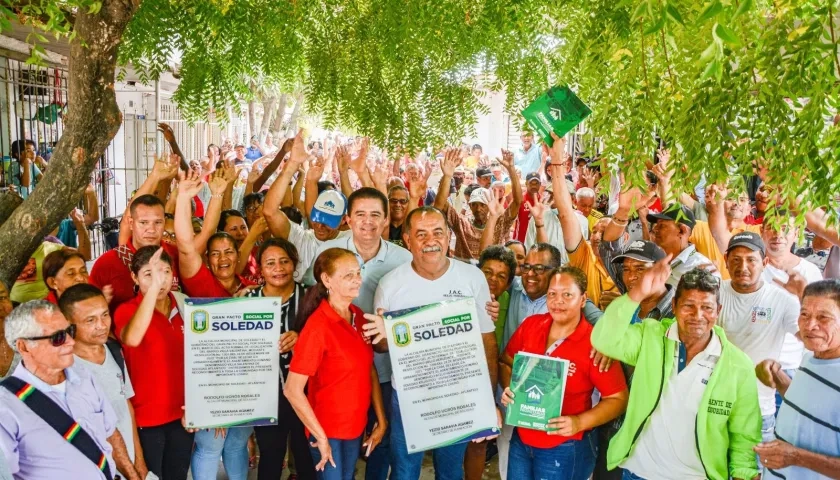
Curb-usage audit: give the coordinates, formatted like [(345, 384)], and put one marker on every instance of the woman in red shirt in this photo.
[(152, 332), (62, 269), (333, 356), (567, 451)]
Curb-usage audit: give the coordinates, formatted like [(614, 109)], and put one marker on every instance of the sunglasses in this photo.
[(58, 338)]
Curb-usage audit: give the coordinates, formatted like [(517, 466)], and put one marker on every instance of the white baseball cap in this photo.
[(329, 208)]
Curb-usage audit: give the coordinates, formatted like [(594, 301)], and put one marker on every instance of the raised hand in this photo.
[(218, 182), (77, 216), (299, 153), (451, 160), (167, 132), (342, 156), (537, 209), (359, 164), (495, 205), (159, 276), (651, 280), (795, 284), (166, 168), (589, 176), (380, 175), (507, 161), (316, 169), (189, 184), (663, 170), (417, 184), (558, 150)]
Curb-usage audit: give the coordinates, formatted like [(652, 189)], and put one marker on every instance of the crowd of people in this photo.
[(702, 328)]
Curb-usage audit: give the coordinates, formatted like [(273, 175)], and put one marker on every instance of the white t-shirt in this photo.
[(403, 288), (756, 323), (307, 245), (118, 390), (793, 349), (666, 448)]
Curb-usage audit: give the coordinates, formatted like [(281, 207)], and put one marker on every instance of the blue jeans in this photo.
[(448, 461), (379, 461), (571, 460), (232, 448), (628, 475), (344, 454), (768, 427), (790, 374)]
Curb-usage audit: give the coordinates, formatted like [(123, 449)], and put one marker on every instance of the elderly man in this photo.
[(429, 277), (694, 404), (55, 421), (807, 445)]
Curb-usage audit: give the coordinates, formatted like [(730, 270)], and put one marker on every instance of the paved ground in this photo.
[(491, 472)]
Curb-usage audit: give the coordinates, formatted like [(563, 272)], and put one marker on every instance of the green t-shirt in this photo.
[(504, 302)]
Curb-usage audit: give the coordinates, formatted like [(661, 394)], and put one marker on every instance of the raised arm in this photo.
[(254, 234), (278, 222), (664, 171), (717, 218), (516, 187), (451, 160), (219, 181), (628, 200), (572, 235), (816, 220), (496, 208), (91, 205), (134, 331), (343, 159), (81, 230), (189, 258)]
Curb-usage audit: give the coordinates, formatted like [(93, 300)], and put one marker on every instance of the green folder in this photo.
[(558, 110), (538, 383)]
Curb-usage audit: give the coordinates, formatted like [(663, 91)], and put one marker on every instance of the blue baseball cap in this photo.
[(329, 208)]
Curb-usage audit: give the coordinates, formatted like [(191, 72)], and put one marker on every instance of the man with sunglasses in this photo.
[(46, 394)]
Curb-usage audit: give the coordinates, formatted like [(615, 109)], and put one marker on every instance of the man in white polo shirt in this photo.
[(430, 277), (756, 314)]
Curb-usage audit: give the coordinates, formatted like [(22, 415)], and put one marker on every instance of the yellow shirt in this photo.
[(704, 242), (597, 278)]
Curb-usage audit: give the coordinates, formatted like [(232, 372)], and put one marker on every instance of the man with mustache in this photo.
[(468, 233), (756, 314), (429, 277)]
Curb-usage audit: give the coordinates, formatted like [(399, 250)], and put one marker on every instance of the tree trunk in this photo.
[(8, 203), (277, 124), (89, 127), (252, 119), (269, 105), (291, 130)]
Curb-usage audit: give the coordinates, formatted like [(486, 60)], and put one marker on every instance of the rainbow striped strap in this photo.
[(55, 416)]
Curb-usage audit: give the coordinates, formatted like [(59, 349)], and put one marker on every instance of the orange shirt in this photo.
[(597, 278)]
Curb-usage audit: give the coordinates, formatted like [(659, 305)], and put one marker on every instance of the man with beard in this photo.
[(468, 233), (756, 314), (326, 215)]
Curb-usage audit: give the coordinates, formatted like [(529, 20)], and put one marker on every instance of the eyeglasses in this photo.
[(253, 208), (169, 235), (538, 269), (398, 201), (58, 338)]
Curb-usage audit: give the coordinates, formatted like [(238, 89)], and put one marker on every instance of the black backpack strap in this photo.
[(59, 420), (116, 352)]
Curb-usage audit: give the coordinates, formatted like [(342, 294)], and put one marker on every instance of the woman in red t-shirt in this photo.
[(152, 333), (569, 448), (62, 269), (334, 357)]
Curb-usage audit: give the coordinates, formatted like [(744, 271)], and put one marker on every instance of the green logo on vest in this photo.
[(199, 321), (402, 334)]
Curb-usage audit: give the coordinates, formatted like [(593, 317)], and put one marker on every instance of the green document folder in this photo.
[(558, 110), (538, 384)]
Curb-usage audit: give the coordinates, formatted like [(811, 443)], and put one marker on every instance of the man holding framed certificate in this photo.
[(421, 417)]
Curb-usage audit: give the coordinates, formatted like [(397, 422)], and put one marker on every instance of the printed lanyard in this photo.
[(553, 347)]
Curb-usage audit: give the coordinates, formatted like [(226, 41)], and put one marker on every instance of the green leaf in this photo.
[(674, 14), (726, 35), (709, 11), (94, 8), (709, 53), (640, 11), (744, 7), (656, 26)]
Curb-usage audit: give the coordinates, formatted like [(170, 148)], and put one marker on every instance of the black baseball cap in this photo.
[(641, 250), (749, 240), (532, 176), (676, 212), (483, 172)]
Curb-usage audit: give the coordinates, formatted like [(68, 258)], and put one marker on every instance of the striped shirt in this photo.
[(288, 312), (809, 418)]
